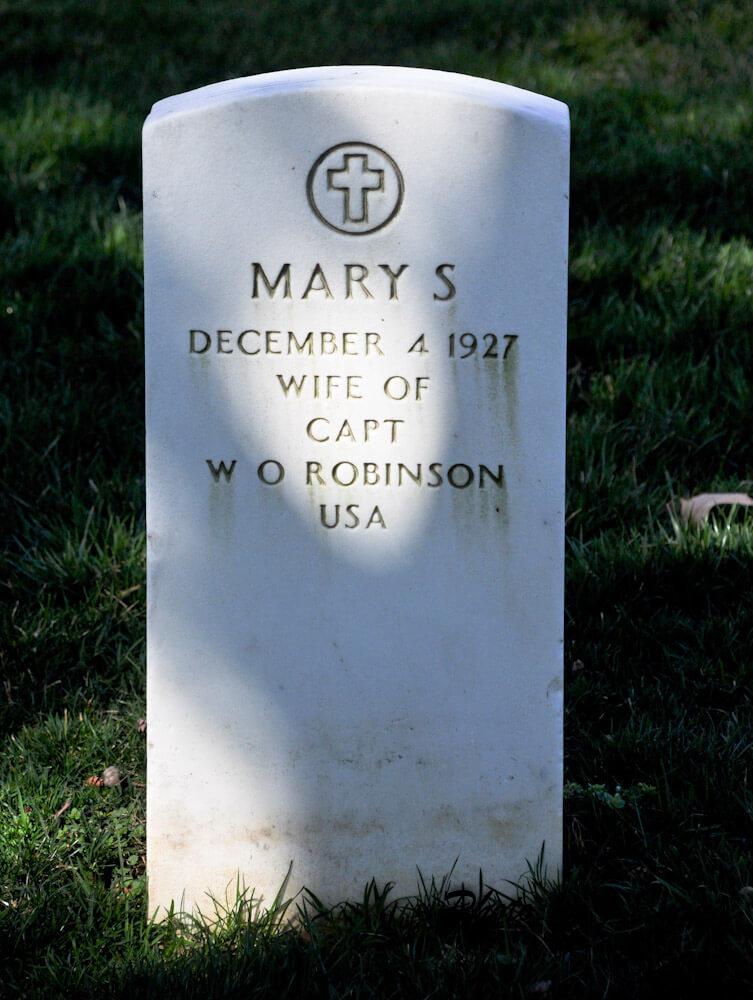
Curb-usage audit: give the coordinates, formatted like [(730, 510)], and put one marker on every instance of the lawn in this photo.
[(657, 892)]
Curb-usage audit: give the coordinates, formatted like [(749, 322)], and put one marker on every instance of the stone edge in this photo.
[(391, 77)]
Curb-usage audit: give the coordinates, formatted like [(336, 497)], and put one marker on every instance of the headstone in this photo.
[(355, 289)]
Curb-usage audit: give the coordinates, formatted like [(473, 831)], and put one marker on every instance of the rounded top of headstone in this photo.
[(267, 85)]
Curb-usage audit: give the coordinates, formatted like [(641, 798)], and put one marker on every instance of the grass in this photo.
[(657, 896)]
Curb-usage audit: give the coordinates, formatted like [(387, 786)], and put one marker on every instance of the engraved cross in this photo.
[(356, 180)]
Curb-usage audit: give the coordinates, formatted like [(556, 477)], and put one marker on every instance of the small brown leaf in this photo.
[(95, 780), (142, 725), (640, 874), (541, 988), (61, 810), (696, 510)]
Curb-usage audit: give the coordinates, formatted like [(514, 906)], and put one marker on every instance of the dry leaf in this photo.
[(142, 725), (541, 988), (696, 510), (61, 810), (640, 874), (95, 780)]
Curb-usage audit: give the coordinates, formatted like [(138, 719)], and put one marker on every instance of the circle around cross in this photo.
[(355, 188)]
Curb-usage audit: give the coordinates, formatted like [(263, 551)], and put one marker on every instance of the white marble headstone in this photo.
[(355, 336)]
